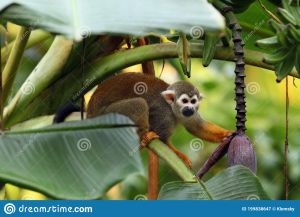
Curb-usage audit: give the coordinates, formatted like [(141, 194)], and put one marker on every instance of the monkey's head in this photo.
[(184, 99)]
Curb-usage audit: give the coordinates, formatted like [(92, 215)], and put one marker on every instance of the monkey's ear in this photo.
[(201, 96), (168, 95)]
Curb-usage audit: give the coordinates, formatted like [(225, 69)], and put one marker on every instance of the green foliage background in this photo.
[(265, 125)]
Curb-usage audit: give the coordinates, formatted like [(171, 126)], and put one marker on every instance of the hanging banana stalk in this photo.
[(238, 146)]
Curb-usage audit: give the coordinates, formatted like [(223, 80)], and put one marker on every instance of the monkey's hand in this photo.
[(213, 133), (182, 156), (147, 138)]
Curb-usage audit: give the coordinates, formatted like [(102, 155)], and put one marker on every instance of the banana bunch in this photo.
[(285, 45)]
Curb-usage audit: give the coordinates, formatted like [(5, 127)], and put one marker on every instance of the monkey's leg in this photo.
[(137, 110), (182, 156)]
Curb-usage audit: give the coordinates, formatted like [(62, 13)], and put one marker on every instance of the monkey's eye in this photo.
[(185, 101), (193, 101)]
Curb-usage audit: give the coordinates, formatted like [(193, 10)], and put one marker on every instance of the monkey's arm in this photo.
[(206, 130)]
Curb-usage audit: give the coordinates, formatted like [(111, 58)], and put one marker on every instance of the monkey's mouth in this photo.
[(188, 111)]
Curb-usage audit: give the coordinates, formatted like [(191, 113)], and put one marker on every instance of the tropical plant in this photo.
[(83, 159)]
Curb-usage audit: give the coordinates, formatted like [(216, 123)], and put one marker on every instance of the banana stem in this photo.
[(165, 153), (110, 64), (240, 96), (147, 66), (13, 61), (36, 37), (269, 12), (47, 70)]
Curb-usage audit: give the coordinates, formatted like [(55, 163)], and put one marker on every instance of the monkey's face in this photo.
[(184, 105), (188, 105)]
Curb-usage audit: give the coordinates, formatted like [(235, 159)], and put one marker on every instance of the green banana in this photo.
[(276, 26), (281, 32), (271, 42), (294, 33), (294, 11), (287, 15), (283, 38), (226, 38), (209, 49), (276, 57), (286, 66)]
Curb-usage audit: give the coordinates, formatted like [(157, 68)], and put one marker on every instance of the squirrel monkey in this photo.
[(155, 107)]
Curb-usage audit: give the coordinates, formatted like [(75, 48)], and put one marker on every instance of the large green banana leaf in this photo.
[(80, 18), (234, 183), (72, 160)]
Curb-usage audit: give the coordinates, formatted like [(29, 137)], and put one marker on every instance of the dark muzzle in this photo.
[(188, 111)]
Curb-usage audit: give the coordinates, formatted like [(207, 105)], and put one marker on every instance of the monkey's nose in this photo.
[(187, 111)]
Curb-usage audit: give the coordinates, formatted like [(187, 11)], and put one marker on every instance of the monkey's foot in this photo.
[(182, 156), (147, 138)]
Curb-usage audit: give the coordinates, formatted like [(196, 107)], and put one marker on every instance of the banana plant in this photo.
[(56, 80)]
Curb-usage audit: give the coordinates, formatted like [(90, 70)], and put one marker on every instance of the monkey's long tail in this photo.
[(65, 111)]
